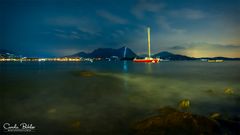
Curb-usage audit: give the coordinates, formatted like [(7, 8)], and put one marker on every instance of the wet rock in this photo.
[(229, 127), (215, 115), (166, 110), (173, 122)]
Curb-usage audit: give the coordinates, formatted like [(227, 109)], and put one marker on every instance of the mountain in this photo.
[(129, 54), (8, 54), (80, 54), (122, 52), (171, 56), (220, 58)]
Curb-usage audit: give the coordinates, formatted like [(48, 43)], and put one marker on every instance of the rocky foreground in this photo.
[(170, 121)]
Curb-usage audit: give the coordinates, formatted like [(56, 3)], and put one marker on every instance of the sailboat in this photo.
[(148, 59)]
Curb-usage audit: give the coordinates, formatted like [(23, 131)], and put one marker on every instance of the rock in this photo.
[(228, 91), (184, 104), (166, 110), (215, 115), (229, 127), (173, 122)]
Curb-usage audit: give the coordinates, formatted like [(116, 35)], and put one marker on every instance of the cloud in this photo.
[(64, 51), (205, 45), (92, 30), (228, 46), (71, 34), (118, 33), (144, 6), (82, 24), (111, 17), (177, 48), (211, 49), (164, 24), (206, 49), (191, 14), (59, 30), (64, 21), (67, 35)]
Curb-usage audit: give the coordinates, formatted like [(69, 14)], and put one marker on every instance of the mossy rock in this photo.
[(173, 122), (228, 91), (184, 104)]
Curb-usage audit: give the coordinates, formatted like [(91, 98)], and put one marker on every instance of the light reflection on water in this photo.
[(117, 95)]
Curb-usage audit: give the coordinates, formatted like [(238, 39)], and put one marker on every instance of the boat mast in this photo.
[(149, 51)]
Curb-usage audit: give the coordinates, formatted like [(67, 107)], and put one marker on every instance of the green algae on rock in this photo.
[(184, 104)]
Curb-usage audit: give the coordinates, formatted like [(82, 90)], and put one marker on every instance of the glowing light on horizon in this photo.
[(124, 53)]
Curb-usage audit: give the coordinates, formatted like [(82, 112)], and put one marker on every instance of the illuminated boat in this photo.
[(148, 59)]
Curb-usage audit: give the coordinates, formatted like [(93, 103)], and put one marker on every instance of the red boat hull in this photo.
[(147, 60)]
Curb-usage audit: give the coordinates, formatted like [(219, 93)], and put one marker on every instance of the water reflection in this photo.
[(149, 67), (112, 95), (125, 66), (125, 70)]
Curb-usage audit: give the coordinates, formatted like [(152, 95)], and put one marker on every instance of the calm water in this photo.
[(56, 99)]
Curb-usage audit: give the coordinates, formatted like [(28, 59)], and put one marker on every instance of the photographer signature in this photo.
[(22, 127)]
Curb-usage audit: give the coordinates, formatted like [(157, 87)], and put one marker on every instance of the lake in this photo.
[(108, 97)]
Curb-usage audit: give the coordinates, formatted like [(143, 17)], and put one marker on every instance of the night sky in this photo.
[(49, 28)]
